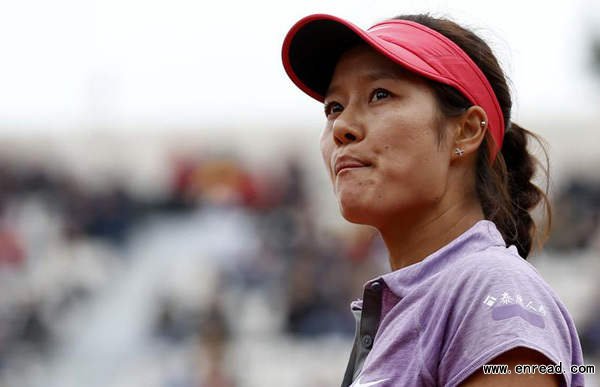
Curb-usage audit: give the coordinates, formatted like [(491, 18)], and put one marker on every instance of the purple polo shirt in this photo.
[(437, 321)]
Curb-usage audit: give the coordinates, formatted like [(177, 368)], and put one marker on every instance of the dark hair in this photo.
[(504, 187)]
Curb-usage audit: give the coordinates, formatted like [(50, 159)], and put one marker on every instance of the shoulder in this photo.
[(497, 280), (497, 302), (496, 260), (494, 267)]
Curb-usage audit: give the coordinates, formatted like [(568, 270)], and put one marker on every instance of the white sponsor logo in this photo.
[(507, 299), (489, 300)]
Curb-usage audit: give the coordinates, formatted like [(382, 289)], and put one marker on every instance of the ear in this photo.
[(470, 132)]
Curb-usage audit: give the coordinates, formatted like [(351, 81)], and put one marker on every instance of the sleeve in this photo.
[(497, 303)]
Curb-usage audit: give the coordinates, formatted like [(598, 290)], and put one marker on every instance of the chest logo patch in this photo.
[(506, 306)]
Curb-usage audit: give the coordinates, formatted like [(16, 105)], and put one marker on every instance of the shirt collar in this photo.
[(480, 236)]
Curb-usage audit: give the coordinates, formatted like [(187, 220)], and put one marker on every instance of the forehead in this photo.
[(364, 63)]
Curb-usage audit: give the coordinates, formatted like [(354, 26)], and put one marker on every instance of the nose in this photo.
[(346, 130)]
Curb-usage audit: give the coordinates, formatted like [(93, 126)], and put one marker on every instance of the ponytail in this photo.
[(507, 193)]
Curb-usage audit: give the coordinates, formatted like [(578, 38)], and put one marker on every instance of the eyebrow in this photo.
[(374, 75)]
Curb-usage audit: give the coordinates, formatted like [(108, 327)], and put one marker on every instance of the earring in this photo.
[(459, 152), (483, 124)]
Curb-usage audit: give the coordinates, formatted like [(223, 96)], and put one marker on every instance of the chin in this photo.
[(364, 206), (367, 213), (356, 213)]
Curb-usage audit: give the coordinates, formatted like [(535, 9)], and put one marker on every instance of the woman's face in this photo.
[(388, 119)]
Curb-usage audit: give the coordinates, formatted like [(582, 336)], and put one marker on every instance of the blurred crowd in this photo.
[(62, 246), (577, 228)]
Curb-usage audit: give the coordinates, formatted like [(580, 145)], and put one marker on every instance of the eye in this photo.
[(332, 108), (378, 94)]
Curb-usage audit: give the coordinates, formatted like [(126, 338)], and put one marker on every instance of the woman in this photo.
[(419, 144)]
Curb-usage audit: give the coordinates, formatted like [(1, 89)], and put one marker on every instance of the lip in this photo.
[(348, 162)]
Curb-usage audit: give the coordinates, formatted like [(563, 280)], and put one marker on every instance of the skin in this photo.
[(416, 191)]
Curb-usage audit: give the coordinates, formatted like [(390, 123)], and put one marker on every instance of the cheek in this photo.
[(412, 167), (422, 179), (326, 145)]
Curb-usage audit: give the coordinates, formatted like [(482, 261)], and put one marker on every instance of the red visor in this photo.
[(314, 44)]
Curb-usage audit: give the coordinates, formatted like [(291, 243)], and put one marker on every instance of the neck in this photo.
[(412, 240)]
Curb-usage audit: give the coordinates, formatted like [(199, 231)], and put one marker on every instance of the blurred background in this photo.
[(165, 217)]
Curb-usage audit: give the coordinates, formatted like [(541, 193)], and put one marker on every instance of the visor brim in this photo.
[(314, 45)]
